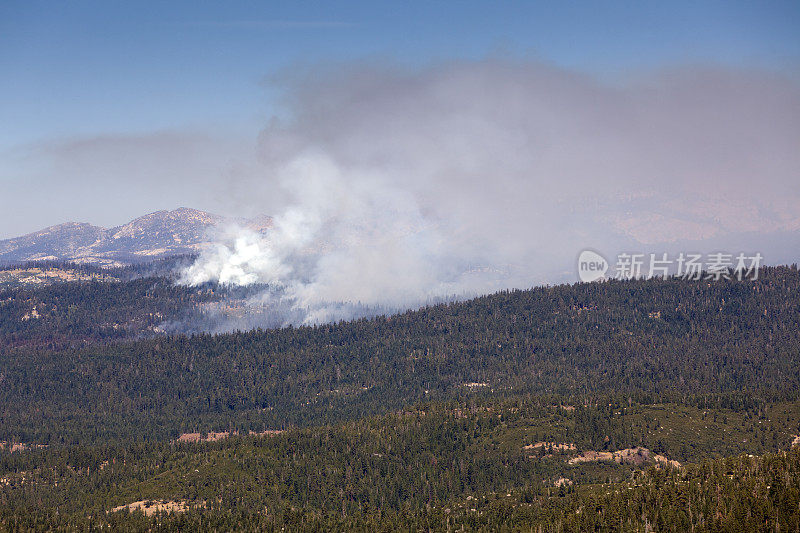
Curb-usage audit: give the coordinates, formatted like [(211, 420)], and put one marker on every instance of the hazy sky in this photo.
[(103, 103)]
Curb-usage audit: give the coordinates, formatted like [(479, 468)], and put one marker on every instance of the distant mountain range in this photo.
[(153, 236)]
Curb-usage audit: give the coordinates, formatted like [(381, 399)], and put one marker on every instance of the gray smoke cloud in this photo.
[(392, 187)]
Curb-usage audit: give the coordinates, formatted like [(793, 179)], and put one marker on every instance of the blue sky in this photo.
[(90, 68), (103, 102)]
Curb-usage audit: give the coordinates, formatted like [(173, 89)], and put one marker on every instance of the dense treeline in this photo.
[(137, 301), (648, 341), (93, 311)]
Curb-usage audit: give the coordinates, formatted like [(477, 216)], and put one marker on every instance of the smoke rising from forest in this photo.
[(393, 187)]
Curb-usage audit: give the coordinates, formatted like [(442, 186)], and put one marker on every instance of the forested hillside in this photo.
[(728, 342), (57, 305), (438, 467), (626, 405)]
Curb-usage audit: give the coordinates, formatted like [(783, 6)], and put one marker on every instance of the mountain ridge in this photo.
[(152, 236)]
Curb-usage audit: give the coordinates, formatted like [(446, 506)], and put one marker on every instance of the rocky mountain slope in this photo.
[(159, 234)]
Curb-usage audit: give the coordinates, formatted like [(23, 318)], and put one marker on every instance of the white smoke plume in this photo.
[(356, 240), (393, 187)]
